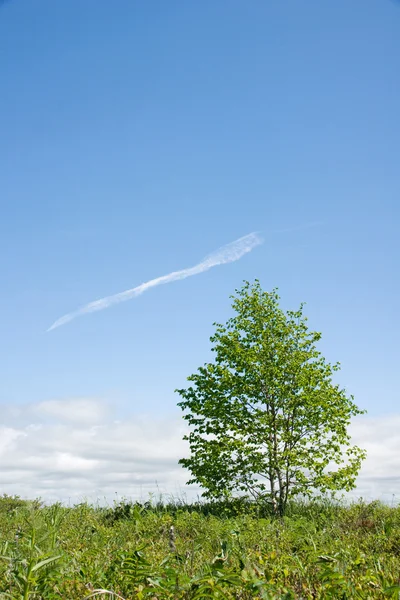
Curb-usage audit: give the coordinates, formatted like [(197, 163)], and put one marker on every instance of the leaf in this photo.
[(326, 559), (391, 590), (45, 562)]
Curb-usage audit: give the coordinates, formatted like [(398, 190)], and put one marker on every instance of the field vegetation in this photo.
[(233, 549)]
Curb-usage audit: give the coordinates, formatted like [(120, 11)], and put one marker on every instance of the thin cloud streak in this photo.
[(226, 254)]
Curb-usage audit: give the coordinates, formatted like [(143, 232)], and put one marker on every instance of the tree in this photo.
[(266, 417)]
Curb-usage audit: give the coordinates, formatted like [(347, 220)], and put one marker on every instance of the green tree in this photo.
[(265, 416)]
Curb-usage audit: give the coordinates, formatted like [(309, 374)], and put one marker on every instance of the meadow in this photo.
[(319, 549)]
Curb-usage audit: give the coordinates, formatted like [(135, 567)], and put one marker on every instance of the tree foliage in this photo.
[(265, 416)]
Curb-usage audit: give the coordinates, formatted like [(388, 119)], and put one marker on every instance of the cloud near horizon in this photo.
[(226, 254), (46, 452)]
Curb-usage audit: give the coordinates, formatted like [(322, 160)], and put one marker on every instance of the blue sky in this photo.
[(137, 137)]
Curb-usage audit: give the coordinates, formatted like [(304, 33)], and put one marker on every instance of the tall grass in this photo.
[(175, 550)]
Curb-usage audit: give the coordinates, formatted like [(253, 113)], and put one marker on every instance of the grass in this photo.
[(217, 550)]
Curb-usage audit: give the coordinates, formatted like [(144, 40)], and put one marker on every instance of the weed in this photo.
[(177, 551)]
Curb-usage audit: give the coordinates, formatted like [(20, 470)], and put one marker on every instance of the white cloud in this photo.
[(79, 410), (73, 449), (80, 452), (8, 436), (380, 473)]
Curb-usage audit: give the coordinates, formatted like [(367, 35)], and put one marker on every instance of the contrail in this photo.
[(225, 254)]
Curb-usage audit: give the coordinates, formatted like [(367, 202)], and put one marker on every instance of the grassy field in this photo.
[(319, 550)]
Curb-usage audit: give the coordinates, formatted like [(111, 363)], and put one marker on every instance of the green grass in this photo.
[(218, 550)]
